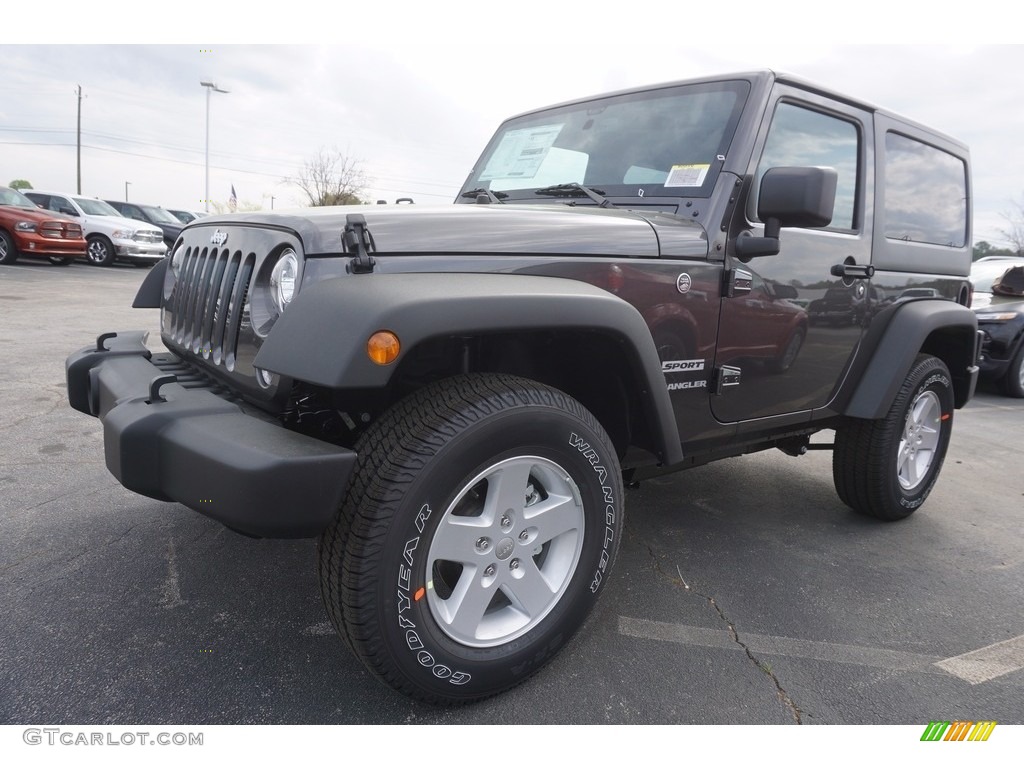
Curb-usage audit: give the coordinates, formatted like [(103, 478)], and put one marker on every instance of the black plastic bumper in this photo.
[(191, 446)]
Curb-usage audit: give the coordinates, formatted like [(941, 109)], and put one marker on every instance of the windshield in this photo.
[(983, 275), (160, 215), (13, 197), (96, 207), (667, 141)]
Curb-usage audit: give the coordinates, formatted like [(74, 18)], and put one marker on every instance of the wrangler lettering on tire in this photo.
[(475, 538)]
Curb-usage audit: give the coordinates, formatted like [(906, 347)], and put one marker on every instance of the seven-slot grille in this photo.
[(208, 300)]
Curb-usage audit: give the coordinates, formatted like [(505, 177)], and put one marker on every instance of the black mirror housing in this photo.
[(790, 197), (798, 197)]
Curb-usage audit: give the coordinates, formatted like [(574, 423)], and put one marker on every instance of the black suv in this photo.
[(453, 398), (158, 217)]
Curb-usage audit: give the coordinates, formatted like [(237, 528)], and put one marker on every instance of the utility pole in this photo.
[(79, 188), (210, 88)]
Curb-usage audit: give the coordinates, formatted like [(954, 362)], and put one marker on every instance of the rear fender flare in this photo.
[(937, 327)]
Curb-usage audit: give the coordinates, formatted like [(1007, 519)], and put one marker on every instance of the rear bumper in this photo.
[(186, 444)]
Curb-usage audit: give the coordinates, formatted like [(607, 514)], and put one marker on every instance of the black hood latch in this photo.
[(358, 240)]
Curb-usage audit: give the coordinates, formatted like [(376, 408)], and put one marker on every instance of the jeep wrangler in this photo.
[(453, 398)]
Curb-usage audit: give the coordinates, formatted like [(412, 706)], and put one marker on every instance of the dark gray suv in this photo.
[(452, 399), (152, 214)]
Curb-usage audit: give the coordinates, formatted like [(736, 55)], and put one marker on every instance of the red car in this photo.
[(27, 231)]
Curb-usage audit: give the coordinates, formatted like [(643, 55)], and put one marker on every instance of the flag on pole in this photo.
[(233, 200)]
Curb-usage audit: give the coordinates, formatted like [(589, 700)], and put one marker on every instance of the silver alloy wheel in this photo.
[(98, 252), (505, 551), (917, 449)]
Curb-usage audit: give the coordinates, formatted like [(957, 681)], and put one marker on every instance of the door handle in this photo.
[(853, 271)]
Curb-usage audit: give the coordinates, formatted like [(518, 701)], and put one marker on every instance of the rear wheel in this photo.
[(475, 537), (886, 467), (8, 250), (100, 251)]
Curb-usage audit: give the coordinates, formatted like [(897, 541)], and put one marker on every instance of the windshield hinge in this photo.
[(724, 376), (358, 240)]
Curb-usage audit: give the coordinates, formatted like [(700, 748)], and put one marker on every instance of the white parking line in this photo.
[(987, 663), (975, 667), (779, 646)]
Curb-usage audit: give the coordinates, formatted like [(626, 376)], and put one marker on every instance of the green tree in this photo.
[(20, 184), (983, 249)]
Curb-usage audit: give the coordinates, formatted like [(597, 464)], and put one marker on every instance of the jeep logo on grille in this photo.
[(219, 237)]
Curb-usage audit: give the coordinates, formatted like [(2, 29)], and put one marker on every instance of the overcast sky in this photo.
[(414, 91)]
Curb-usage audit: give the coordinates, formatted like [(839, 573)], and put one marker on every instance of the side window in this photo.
[(804, 137), (925, 193), (61, 205)]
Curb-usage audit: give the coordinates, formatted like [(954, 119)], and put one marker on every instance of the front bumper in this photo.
[(180, 442), (134, 250), (29, 243), (1000, 343)]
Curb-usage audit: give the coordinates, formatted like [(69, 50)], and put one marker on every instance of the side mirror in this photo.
[(790, 197)]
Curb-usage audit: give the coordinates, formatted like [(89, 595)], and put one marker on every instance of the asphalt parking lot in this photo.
[(745, 592)]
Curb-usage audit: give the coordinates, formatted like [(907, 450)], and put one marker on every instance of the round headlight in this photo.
[(283, 279)]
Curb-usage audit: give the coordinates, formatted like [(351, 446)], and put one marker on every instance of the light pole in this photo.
[(126, 184), (210, 87)]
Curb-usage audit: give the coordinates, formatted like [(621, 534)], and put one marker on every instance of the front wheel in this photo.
[(476, 536), (100, 251), (886, 467), (8, 250)]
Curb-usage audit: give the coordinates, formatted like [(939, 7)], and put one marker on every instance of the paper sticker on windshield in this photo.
[(687, 175), (520, 153)]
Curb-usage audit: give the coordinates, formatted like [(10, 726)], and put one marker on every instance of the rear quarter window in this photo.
[(925, 193)]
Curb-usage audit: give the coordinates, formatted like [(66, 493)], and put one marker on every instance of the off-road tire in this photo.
[(886, 467), (438, 477)]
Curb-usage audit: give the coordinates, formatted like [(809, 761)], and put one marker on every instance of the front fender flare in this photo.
[(321, 337)]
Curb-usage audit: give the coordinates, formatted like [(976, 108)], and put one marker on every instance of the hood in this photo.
[(38, 215), (121, 222), (489, 229)]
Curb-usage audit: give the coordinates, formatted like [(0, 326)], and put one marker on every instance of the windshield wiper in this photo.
[(486, 194), (576, 190)]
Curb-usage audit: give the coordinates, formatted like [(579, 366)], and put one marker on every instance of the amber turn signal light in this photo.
[(383, 347)]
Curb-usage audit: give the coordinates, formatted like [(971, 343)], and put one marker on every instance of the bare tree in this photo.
[(331, 178), (1014, 232)]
